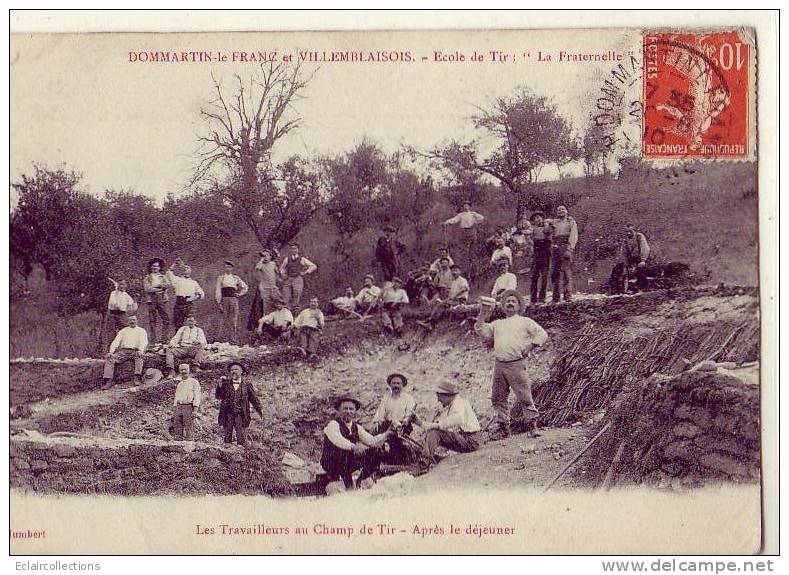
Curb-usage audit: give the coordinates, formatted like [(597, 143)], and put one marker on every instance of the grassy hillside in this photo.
[(705, 215)]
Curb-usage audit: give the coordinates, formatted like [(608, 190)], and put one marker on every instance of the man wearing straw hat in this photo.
[(513, 337), (456, 427)]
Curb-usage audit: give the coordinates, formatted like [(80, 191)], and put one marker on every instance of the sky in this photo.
[(78, 100)]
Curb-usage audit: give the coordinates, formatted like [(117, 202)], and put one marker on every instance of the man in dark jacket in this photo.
[(236, 396), (387, 252)]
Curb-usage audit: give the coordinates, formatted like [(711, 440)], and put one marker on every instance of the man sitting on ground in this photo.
[(129, 345), (394, 297), (397, 412), (456, 427), (442, 253), (346, 445), (189, 342), (502, 251), (506, 281), (279, 323), (310, 322), (368, 297), (346, 304), (185, 403), (458, 295)]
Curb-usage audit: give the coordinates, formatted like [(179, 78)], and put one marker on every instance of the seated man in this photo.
[(346, 445), (368, 297), (279, 323), (129, 345), (502, 251), (442, 253), (393, 299), (346, 304), (456, 427), (189, 342), (506, 281), (310, 322), (458, 295), (397, 411)]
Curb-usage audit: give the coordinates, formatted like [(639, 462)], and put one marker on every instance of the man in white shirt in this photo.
[(506, 281), (229, 287), (188, 343), (458, 295), (467, 222), (277, 324), (129, 345), (185, 403), (442, 253), (456, 427), (513, 338), (268, 277), (347, 446), (393, 298), (187, 291), (293, 269), (502, 251), (346, 304), (565, 237), (397, 411), (120, 305), (369, 296), (310, 322)]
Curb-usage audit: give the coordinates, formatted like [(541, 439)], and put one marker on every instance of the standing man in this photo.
[(456, 426), (120, 305), (236, 395), (155, 286), (268, 277), (467, 221), (635, 253), (565, 236), (393, 298), (347, 446), (187, 291), (185, 403), (310, 322), (188, 343), (541, 237), (293, 269), (229, 287), (513, 337), (129, 345), (387, 253)]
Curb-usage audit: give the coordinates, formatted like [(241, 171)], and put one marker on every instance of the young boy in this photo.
[(310, 322)]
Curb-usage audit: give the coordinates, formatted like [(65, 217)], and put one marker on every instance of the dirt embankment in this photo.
[(356, 357)]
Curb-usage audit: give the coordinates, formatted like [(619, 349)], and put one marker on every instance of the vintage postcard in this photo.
[(394, 292)]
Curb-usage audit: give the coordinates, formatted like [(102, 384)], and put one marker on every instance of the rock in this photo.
[(685, 429), (726, 465), (684, 450), (38, 466), (65, 451)]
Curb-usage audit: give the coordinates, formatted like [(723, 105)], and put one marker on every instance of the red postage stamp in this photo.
[(697, 95)]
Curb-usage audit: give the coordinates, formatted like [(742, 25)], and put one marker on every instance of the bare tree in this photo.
[(243, 125), (528, 134)]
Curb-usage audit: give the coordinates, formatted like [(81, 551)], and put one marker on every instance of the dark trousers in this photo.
[(157, 312), (539, 275), (238, 425), (183, 419), (344, 466), (459, 441), (120, 318), (389, 269), (181, 310)]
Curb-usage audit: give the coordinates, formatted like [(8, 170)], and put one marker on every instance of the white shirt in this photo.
[(391, 295), (513, 336), (346, 303), (459, 288), (310, 318), (185, 287), (131, 338), (332, 431), (395, 409), (368, 295), (458, 416), (229, 280), (503, 252), (505, 282), (121, 301), (267, 274), (188, 336), (436, 265), (466, 219), (277, 318), (187, 391)]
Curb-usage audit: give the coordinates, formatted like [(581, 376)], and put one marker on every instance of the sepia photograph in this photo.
[(386, 291)]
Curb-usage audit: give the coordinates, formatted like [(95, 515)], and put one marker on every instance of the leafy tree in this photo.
[(527, 134)]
